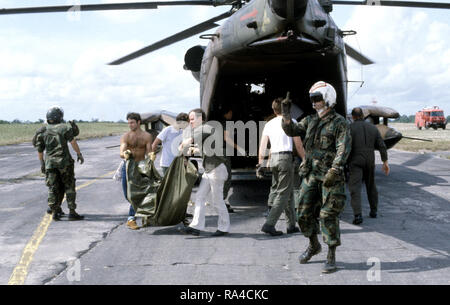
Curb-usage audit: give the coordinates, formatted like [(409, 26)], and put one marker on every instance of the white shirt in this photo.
[(170, 139), (279, 141)]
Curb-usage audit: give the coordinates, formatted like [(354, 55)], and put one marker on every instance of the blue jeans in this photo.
[(131, 212)]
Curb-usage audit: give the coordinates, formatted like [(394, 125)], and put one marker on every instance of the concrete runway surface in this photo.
[(408, 243)]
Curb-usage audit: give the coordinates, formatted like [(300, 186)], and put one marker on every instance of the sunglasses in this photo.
[(316, 97)]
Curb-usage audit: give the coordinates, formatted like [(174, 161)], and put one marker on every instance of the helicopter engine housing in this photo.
[(281, 8), (193, 60)]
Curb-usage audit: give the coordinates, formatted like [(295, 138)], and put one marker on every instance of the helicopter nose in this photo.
[(392, 137), (289, 9)]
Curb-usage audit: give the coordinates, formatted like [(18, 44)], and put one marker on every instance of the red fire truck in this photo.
[(430, 117)]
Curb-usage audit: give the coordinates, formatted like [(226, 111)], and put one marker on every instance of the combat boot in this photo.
[(55, 215), (330, 265), (314, 248), (60, 211), (75, 216), (293, 229)]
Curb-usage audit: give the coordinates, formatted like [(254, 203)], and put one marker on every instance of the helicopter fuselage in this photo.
[(256, 46)]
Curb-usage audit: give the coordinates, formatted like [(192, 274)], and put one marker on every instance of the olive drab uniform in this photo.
[(365, 139), (327, 145), (59, 165)]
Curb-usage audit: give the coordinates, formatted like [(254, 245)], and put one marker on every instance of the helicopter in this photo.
[(379, 116), (274, 45)]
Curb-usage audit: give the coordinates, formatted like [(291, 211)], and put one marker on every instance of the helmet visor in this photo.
[(316, 97)]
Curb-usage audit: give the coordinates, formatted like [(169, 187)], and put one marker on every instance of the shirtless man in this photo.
[(136, 143)]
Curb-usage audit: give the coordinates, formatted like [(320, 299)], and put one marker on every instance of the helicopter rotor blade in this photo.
[(395, 3), (199, 28), (357, 56), (419, 139), (104, 7)]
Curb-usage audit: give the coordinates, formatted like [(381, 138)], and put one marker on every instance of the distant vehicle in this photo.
[(430, 117)]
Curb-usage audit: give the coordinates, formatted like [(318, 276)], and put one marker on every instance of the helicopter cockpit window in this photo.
[(158, 125), (369, 120)]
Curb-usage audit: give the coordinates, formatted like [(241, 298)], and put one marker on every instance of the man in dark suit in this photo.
[(365, 139)]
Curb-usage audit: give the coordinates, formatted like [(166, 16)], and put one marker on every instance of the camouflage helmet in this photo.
[(55, 115), (323, 91)]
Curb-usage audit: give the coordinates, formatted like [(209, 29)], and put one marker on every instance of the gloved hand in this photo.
[(127, 154), (260, 170), (286, 108), (80, 158), (331, 178), (43, 167), (152, 156), (75, 129)]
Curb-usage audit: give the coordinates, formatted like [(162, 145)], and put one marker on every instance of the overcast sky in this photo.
[(60, 59)]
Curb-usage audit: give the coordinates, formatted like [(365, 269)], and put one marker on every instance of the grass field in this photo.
[(20, 133), (440, 138)]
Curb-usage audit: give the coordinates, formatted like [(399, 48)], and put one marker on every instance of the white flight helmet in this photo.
[(322, 91)]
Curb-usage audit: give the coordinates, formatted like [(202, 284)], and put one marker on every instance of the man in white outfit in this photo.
[(282, 166), (170, 138), (213, 179)]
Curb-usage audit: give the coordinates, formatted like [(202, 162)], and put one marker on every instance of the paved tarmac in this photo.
[(407, 244)]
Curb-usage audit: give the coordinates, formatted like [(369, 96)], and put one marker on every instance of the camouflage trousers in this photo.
[(297, 182), (59, 182), (320, 204)]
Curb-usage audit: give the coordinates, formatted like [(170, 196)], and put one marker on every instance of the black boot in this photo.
[(292, 229), (358, 219), (56, 216), (271, 230), (330, 265), (75, 216), (314, 248), (60, 211)]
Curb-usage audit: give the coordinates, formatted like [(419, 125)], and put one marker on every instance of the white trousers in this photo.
[(212, 182)]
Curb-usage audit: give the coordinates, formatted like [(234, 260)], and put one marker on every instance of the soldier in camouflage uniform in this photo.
[(58, 165), (327, 145)]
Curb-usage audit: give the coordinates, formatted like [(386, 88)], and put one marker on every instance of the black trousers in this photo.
[(359, 172)]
